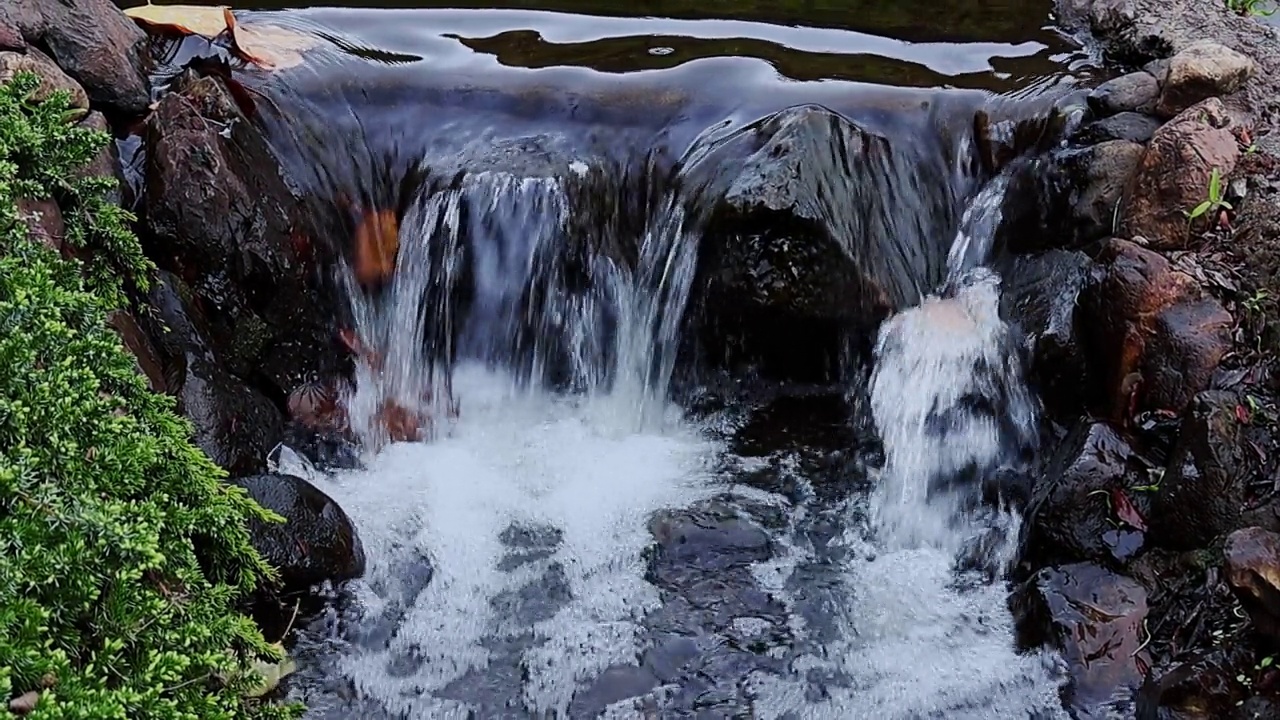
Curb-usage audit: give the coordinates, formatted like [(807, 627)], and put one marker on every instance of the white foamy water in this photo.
[(524, 459)]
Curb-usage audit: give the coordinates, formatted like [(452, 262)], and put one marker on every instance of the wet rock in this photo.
[(1130, 126), (107, 162), (1202, 70), (1070, 516), (1135, 92), (52, 78), (1040, 299), (234, 424), (1253, 569), (1201, 687), (1173, 176), (44, 222), (1153, 338), (1107, 170), (1202, 492), (317, 541), (139, 346), (221, 216), (93, 42), (1094, 617)]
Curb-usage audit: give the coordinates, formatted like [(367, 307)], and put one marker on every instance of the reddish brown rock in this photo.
[(1253, 569), (1202, 70), (52, 78), (106, 164), (1174, 174), (44, 222), (1202, 491), (136, 342), (1152, 337), (10, 33)]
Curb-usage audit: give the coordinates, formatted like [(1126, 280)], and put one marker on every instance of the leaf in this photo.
[(1215, 185), (1201, 209), (208, 22), (377, 241), (1242, 415), (273, 673), (24, 703), (1125, 510), (271, 46)]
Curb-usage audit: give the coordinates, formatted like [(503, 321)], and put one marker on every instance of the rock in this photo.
[(10, 32), (317, 542), (52, 78), (1202, 492), (1135, 92), (1173, 176), (95, 43), (1201, 71), (1040, 298), (1094, 617), (1201, 687), (44, 222), (107, 163), (1107, 170), (136, 342), (1152, 336), (1253, 569), (222, 216), (1131, 126), (234, 424), (1070, 517)]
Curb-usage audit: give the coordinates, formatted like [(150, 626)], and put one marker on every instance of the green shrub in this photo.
[(122, 554)]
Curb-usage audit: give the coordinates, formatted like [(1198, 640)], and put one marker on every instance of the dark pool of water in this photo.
[(997, 45)]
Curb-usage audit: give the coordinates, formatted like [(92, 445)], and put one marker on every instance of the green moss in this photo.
[(122, 552)]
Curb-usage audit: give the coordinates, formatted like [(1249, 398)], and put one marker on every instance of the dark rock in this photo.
[(233, 423), (52, 78), (1040, 299), (1202, 492), (107, 163), (10, 31), (1130, 126), (1201, 687), (1071, 514), (1173, 176), (1095, 618), (1200, 71), (1107, 169), (317, 541), (44, 222), (1135, 92), (95, 43), (1153, 338), (139, 346), (1253, 569)]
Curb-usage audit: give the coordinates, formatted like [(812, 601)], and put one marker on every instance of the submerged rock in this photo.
[(234, 424), (1153, 337), (1202, 492), (1202, 70), (316, 543), (1253, 569), (1095, 618), (1174, 176)]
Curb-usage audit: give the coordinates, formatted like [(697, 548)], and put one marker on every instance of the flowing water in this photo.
[(584, 540)]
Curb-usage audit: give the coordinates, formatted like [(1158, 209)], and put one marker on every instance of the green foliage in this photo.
[(121, 551), (1214, 203), (1251, 7)]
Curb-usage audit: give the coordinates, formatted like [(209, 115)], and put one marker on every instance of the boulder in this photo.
[(1130, 126), (44, 222), (1070, 516), (1040, 299), (1253, 569), (317, 541), (1094, 617), (1174, 175), (1135, 92), (1201, 71), (146, 361), (10, 31), (1153, 338), (107, 163), (1202, 492), (1105, 173), (234, 424), (52, 78), (93, 42)]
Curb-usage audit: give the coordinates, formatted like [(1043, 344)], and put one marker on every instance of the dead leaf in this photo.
[(1243, 415), (271, 46), (377, 241), (208, 22), (24, 703), (1125, 510)]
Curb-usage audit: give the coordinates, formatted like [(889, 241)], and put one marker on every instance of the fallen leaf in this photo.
[(271, 46), (208, 22), (1125, 510), (24, 703), (377, 241), (1242, 414)]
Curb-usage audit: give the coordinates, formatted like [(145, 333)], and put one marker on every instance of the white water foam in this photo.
[(525, 458)]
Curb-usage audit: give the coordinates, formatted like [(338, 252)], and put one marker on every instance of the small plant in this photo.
[(1257, 8), (1215, 203), (1253, 303)]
